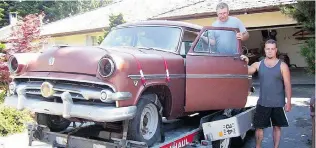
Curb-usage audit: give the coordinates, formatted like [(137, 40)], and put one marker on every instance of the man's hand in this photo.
[(239, 36), (288, 106), (245, 58)]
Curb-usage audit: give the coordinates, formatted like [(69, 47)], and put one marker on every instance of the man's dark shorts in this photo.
[(265, 116)]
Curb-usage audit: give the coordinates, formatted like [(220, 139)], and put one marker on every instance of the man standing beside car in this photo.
[(220, 38), (275, 85)]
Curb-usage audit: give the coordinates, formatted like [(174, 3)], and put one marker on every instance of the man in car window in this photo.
[(225, 41)]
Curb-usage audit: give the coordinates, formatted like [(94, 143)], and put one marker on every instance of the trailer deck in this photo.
[(178, 133)]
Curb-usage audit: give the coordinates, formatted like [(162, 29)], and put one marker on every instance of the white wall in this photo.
[(254, 40), (286, 43)]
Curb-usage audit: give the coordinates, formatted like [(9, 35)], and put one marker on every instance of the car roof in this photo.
[(162, 23)]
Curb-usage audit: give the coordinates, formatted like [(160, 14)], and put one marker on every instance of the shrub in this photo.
[(308, 52), (2, 47), (2, 95), (12, 121)]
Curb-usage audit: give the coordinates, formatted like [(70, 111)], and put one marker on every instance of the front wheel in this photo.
[(53, 122), (145, 126)]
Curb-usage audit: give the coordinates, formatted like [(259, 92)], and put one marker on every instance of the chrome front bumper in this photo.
[(68, 109)]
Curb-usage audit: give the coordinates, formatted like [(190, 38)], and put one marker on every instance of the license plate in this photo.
[(61, 140)]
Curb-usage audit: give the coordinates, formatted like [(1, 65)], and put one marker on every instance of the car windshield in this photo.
[(154, 37)]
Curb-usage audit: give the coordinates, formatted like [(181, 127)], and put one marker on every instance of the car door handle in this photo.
[(236, 58)]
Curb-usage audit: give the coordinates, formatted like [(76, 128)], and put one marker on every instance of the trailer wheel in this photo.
[(226, 143), (53, 122), (145, 126)]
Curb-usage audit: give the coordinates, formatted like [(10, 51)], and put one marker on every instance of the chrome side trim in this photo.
[(67, 109), (157, 76), (212, 76), (73, 80), (120, 96), (195, 76)]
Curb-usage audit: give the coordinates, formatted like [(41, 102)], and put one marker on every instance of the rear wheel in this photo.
[(53, 122), (145, 126)]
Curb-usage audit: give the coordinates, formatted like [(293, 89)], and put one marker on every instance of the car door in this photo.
[(215, 78)]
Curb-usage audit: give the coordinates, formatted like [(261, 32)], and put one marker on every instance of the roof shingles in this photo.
[(210, 6), (132, 10)]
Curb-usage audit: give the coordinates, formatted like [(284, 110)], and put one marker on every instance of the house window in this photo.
[(94, 41), (91, 40)]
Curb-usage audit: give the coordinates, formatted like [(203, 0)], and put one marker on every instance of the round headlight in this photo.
[(106, 67), (13, 64)]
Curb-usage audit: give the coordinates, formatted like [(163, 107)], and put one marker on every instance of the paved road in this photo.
[(295, 136)]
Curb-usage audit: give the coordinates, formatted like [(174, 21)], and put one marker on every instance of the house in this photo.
[(261, 17)]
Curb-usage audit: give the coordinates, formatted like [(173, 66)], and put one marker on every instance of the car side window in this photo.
[(217, 42), (203, 44)]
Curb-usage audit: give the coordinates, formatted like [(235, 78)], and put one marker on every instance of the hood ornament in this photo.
[(51, 61)]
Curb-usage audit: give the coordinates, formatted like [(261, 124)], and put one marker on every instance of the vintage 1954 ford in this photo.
[(140, 73)]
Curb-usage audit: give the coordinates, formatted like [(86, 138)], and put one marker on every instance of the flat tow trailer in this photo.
[(187, 134)]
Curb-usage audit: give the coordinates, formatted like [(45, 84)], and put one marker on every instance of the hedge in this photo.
[(11, 120)]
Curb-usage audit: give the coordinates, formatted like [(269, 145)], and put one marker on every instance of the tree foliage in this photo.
[(304, 13), (54, 10), (114, 20), (308, 52), (13, 121), (25, 37)]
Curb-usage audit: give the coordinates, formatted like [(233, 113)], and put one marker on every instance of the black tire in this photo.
[(217, 144), (134, 129), (53, 122)]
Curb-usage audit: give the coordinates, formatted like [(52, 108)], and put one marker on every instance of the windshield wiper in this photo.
[(152, 48)]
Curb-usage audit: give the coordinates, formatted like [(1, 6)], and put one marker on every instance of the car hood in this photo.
[(76, 60)]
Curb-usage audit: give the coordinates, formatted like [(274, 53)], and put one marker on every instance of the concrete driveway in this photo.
[(297, 135)]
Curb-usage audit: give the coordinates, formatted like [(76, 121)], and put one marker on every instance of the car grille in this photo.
[(81, 93)]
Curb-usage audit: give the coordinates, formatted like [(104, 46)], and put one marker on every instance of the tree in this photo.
[(114, 21), (54, 10), (25, 37), (304, 13)]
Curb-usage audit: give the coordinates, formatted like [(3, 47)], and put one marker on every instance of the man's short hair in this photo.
[(271, 41), (222, 5)]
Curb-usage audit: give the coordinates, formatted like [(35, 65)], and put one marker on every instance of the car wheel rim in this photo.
[(225, 143), (149, 121)]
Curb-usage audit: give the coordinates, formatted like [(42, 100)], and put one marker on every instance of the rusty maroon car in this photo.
[(141, 72)]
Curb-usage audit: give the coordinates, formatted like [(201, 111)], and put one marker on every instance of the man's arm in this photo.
[(243, 35), (287, 83), (253, 67)]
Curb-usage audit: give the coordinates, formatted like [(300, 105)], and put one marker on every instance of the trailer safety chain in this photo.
[(74, 131)]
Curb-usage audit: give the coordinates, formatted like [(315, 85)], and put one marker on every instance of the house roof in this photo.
[(208, 7), (98, 19), (135, 10)]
